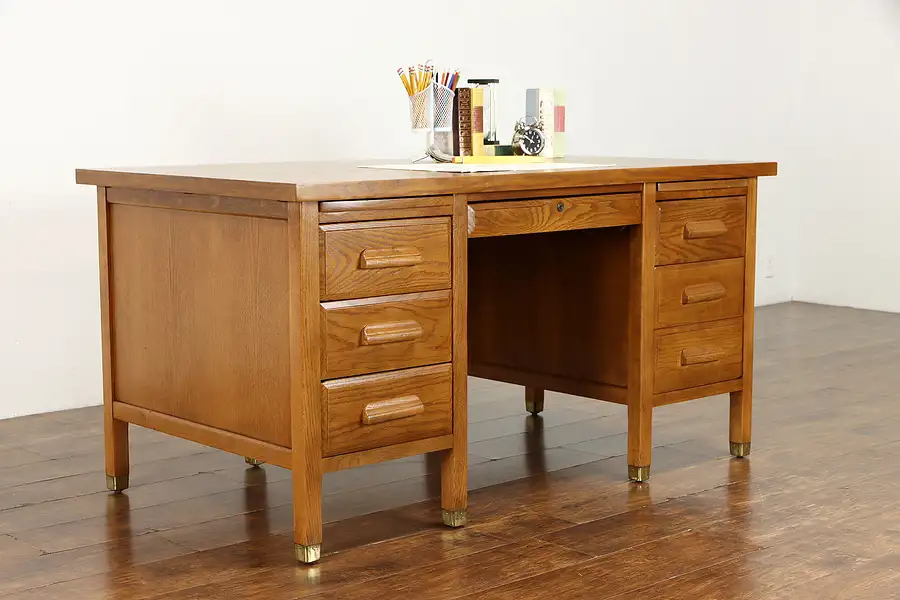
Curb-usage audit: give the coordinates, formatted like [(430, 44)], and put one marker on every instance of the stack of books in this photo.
[(548, 105)]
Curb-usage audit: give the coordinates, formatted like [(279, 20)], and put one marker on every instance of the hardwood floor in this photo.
[(812, 514)]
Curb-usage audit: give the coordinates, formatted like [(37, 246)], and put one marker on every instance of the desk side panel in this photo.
[(201, 318)]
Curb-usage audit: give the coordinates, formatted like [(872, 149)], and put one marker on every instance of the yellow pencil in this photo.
[(405, 81)]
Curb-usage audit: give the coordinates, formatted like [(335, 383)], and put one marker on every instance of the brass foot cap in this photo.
[(639, 474), (740, 449), (454, 518), (253, 462), (308, 554), (117, 483), (534, 408)]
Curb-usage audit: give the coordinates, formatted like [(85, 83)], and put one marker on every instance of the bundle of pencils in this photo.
[(418, 79)]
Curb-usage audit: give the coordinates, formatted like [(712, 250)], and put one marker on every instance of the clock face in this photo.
[(531, 141)]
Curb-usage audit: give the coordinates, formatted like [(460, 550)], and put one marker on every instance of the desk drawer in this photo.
[(698, 292), (698, 355), (386, 333), (384, 257), (703, 229), (361, 413), (553, 214)]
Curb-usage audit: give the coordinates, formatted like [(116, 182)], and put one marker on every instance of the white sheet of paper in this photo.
[(493, 168)]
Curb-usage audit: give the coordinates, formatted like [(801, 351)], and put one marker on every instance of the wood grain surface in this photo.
[(787, 523), (742, 401), (551, 304), (201, 318), (641, 373), (115, 431), (698, 292), (306, 402), (343, 245), (455, 461), (385, 333), (224, 205), (696, 230), (327, 181), (694, 355), (701, 189), (542, 215), (345, 402)]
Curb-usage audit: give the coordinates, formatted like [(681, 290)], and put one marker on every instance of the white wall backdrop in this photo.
[(106, 83), (846, 241)]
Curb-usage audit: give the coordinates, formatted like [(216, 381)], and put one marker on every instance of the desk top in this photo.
[(316, 181)]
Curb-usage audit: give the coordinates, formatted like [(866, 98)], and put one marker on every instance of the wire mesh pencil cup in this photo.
[(431, 113)]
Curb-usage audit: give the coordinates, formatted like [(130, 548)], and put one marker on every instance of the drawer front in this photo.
[(361, 413), (698, 292), (553, 214), (695, 230), (382, 334), (698, 356), (384, 257)]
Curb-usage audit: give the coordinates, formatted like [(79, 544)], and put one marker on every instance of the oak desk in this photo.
[(319, 316)]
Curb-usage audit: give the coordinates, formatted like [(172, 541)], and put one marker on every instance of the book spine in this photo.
[(454, 127), (464, 121), (477, 121), (546, 113), (559, 123), (533, 103)]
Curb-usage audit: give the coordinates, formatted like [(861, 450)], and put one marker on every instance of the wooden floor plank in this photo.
[(625, 570), (811, 514)]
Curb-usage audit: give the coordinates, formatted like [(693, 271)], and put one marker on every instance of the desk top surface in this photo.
[(315, 181)]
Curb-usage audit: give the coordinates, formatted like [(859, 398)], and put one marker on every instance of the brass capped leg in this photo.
[(253, 462), (740, 449), (534, 400), (117, 483), (639, 474), (454, 518), (308, 554)]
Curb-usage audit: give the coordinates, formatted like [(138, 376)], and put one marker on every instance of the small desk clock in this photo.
[(528, 137)]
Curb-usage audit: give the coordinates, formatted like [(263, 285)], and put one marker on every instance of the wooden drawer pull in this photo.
[(387, 333), (699, 356), (697, 230), (389, 410), (702, 292), (382, 258)]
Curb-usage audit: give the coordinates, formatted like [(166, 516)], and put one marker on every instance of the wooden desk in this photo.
[(319, 316)]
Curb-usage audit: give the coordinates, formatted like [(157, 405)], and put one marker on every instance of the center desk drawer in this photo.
[(512, 217), (698, 355), (361, 413), (698, 292), (378, 258), (702, 229), (385, 333)]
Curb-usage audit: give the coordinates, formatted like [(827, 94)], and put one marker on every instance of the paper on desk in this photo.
[(470, 168)]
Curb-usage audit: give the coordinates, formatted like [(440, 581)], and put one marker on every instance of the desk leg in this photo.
[(115, 433), (455, 465), (742, 401), (640, 338), (305, 395)]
